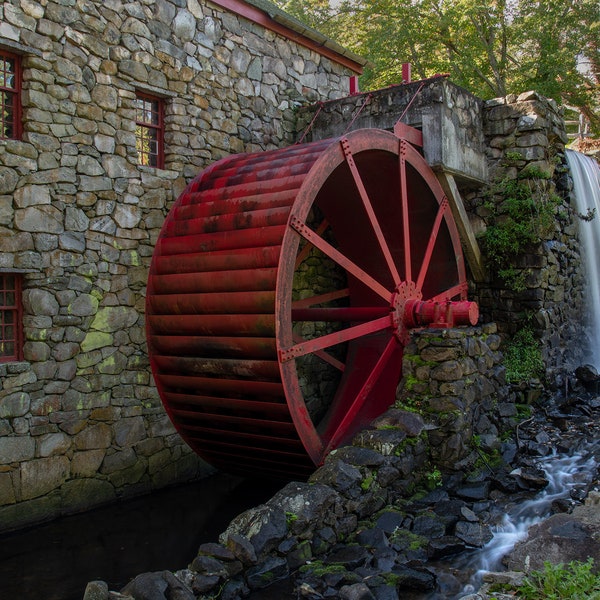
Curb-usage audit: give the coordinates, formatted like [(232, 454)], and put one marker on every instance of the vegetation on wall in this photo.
[(522, 213)]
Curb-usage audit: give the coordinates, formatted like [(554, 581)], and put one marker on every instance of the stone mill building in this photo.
[(108, 109)]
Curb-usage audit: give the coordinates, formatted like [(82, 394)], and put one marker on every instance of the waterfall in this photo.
[(586, 183)]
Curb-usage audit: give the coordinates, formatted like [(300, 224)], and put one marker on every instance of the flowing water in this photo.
[(564, 473), (586, 181)]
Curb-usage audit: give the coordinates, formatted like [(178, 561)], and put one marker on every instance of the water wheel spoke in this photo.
[(337, 337), (368, 206), (324, 356), (362, 395), (351, 267), (405, 212), (431, 243), (340, 314), (460, 289), (321, 298), (303, 254)]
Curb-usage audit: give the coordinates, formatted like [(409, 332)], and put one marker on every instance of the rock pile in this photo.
[(369, 525)]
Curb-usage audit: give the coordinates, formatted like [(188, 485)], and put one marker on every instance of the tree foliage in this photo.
[(491, 47)]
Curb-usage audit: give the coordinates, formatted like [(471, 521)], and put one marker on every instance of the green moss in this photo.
[(407, 540), (319, 568)]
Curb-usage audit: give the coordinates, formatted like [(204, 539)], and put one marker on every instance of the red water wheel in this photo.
[(281, 292)]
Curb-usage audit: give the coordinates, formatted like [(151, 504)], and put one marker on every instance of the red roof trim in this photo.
[(239, 7)]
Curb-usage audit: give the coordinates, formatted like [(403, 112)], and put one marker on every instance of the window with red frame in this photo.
[(149, 130), (10, 96), (11, 313)]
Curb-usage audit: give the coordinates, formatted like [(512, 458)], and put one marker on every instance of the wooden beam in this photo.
[(469, 241)]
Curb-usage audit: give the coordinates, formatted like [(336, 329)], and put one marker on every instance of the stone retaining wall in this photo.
[(80, 419), (526, 138), (455, 378)]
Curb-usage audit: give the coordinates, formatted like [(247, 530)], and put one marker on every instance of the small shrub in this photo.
[(574, 581), (523, 357)]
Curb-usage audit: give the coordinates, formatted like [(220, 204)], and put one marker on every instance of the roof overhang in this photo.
[(271, 17)]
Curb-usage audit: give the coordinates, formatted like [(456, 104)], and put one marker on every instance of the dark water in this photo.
[(160, 531)]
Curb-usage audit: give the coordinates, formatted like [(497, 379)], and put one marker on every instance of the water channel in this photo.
[(161, 531)]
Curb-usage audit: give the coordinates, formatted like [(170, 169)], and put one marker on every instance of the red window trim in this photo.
[(158, 127), (16, 91), (17, 310)]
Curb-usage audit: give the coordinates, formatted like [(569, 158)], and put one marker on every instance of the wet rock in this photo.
[(473, 534), (411, 423), (447, 545), (337, 474), (234, 590), (385, 592), (468, 515), (414, 579), (264, 526), (351, 557), (560, 539), (428, 525), (356, 591), (216, 550), (241, 548), (373, 538), (147, 586), (475, 491), (208, 566), (530, 478), (263, 575), (354, 455), (391, 520), (589, 377), (96, 590)]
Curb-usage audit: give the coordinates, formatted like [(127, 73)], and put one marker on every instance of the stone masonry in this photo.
[(526, 139), (81, 423)]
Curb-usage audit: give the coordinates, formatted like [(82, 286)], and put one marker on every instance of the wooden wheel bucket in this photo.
[(281, 292)]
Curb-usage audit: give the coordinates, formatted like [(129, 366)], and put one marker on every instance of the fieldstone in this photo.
[(16, 449), (15, 405), (40, 302), (53, 444), (261, 576), (264, 526), (38, 477), (473, 534), (96, 590)]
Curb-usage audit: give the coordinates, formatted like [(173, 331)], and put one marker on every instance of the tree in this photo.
[(491, 48)]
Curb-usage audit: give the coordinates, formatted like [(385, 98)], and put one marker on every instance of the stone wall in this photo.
[(456, 380), (80, 419), (526, 139)]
